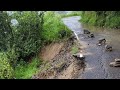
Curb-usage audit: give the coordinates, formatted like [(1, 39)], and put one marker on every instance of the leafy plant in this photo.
[(110, 19), (74, 49), (26, 70), (22, 41), (52, 26), (6, 71)]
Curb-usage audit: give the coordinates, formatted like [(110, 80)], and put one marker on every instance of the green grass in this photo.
[(74, 49), (27, 70), (6, 70), (52, 25), (111, 20), (89, 18), (50, 33)]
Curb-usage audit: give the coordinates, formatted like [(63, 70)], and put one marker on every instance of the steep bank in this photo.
[(50, 51), (62, 66)]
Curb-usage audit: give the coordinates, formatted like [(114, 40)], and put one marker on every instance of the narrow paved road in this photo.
[(97, 60)]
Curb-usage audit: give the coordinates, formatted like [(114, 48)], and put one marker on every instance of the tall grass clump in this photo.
[(26, 70), (6, 70), (52, 28), (109, 19)]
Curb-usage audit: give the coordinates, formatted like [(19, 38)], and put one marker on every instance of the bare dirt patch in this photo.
[(50, 51), (68, 73)]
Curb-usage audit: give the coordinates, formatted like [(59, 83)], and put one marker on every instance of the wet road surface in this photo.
[(97, 59)]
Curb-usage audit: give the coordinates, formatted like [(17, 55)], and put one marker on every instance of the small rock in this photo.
[(79, 56), (102, 41), (117, 60), (72, 38), (91, 36), (114, 64), (99, 44), (86, 31), (108, 48)]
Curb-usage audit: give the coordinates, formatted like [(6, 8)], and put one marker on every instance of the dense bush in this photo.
[(89, 17), (6, 71), (52, 27), (22, 41), (5, 32), (113, 19), (25, 70), (28, 35)]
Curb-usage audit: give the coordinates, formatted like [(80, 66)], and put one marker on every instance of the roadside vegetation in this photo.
[(109, 19), (24, 33), (74, 49), (21, 42)]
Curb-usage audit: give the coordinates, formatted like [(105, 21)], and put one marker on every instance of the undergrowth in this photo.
[(109, 19), (26, 70)]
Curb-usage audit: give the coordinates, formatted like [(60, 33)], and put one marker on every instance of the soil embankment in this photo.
[(60, 62)]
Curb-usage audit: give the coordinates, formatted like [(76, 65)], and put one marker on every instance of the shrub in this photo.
[(62, 34), (5, 32), (89, 17), (26, 35), (52, 26), (26, 70), (6, 71), (12, 56), (110, 19), (23, 39), (74, 49)]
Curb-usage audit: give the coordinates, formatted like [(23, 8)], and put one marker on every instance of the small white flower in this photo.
[(14, 22)]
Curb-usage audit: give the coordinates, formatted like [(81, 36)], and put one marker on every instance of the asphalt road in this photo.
[(97, 59)]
